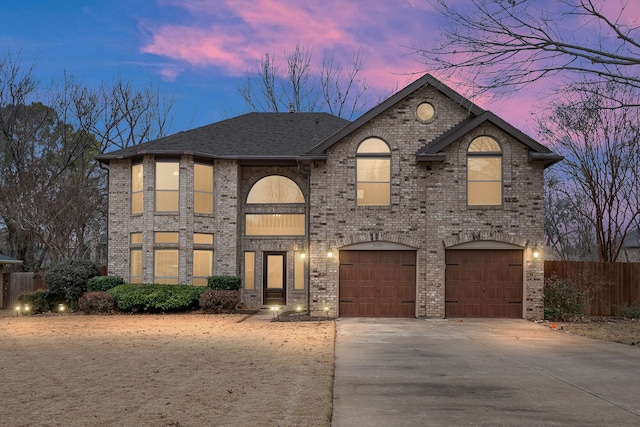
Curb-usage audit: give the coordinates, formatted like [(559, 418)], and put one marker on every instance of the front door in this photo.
[(274, 290)]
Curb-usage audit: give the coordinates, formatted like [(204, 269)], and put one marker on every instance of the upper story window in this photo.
[(484, 172), (136, 189), (202, 189), (167, 186), (373, 171), (275, 189)]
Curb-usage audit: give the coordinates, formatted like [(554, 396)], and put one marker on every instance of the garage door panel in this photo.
[(483, 283), (378, 283)]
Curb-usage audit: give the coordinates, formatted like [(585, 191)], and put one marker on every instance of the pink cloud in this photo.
[(234, 34)]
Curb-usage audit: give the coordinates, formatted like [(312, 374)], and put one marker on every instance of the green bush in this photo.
[(562, 299), (96, 302), (155, 297), (103, 283), (230, 283), (69, 279), (218, 300), (629, 311), (40, 301)]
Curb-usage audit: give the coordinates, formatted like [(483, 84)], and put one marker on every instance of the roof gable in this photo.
[(426, 80), (433, 151)]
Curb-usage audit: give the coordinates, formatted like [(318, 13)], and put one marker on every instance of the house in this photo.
[(631, 247), (425, 206)]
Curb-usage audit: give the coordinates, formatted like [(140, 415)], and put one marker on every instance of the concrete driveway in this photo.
[(416, 372)]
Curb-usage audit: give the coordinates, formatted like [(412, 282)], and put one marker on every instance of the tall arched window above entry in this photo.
[(373, 172), (276, 190), (484, 172)]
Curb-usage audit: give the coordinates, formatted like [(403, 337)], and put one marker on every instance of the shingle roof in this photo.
[(252, 135)]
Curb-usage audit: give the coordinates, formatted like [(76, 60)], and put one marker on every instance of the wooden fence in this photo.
[(16, 283), (607, 285)]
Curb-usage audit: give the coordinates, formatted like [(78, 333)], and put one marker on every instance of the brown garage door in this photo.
[(483, 283), (377, 283)]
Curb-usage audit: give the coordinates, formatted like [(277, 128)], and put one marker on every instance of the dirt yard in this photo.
[(623, 331), (164, 370)]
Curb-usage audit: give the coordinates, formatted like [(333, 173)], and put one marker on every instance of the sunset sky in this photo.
[(203, 49)]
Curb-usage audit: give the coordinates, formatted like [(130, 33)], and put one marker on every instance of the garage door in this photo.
[(377, 283), (483, 283)]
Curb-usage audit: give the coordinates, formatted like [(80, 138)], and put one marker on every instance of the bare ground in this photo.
[(623, 331), (164, 370)]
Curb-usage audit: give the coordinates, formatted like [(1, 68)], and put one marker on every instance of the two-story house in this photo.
[(425, 206)]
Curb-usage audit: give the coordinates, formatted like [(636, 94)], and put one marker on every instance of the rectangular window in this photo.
[(275, 224), (249, 270), (374, 182), (484, 186), (167, 186), (298, 273), (202, 189), (202, 266), (166, 236), (165, 268), (136, 238), (136, 189), (135, 267), (202, 239)]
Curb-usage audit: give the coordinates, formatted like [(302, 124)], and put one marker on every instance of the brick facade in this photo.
[(428, 212)]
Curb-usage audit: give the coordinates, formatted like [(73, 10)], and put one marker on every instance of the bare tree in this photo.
[(568, 234), (53, 192), (502, 45), (601, 145), (302, 87)]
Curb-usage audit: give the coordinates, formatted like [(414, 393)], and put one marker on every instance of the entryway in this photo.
[(274, 278)]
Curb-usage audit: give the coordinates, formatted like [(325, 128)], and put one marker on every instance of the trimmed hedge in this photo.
[(155, 297), (69, 279), (217, 300), (230, 283), (96, 302), (40, 301), (103, 283)]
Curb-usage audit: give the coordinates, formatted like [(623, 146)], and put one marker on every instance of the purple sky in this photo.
[(202, 49)]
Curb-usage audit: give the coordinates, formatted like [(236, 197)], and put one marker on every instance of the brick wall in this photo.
[(428, 202)]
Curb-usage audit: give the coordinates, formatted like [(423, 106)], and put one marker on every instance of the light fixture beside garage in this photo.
[(330, 253), (536, 251)]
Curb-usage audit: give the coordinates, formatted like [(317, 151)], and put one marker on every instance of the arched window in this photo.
[(275, 189), (373, 172), (484, 172)]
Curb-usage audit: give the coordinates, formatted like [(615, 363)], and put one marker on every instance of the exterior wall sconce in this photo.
[(330, 253), (303, 255), (536, 252)]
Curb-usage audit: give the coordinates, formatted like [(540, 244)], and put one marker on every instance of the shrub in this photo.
[(155, 297), (230, 283), (103, 283), (217, 300), (96, 302), (69, 279), (562, 300), (629, 311), (40, 301)]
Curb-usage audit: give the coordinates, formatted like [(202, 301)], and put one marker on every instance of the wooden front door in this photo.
[(483, 283), (377, 283), (274, 278)]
